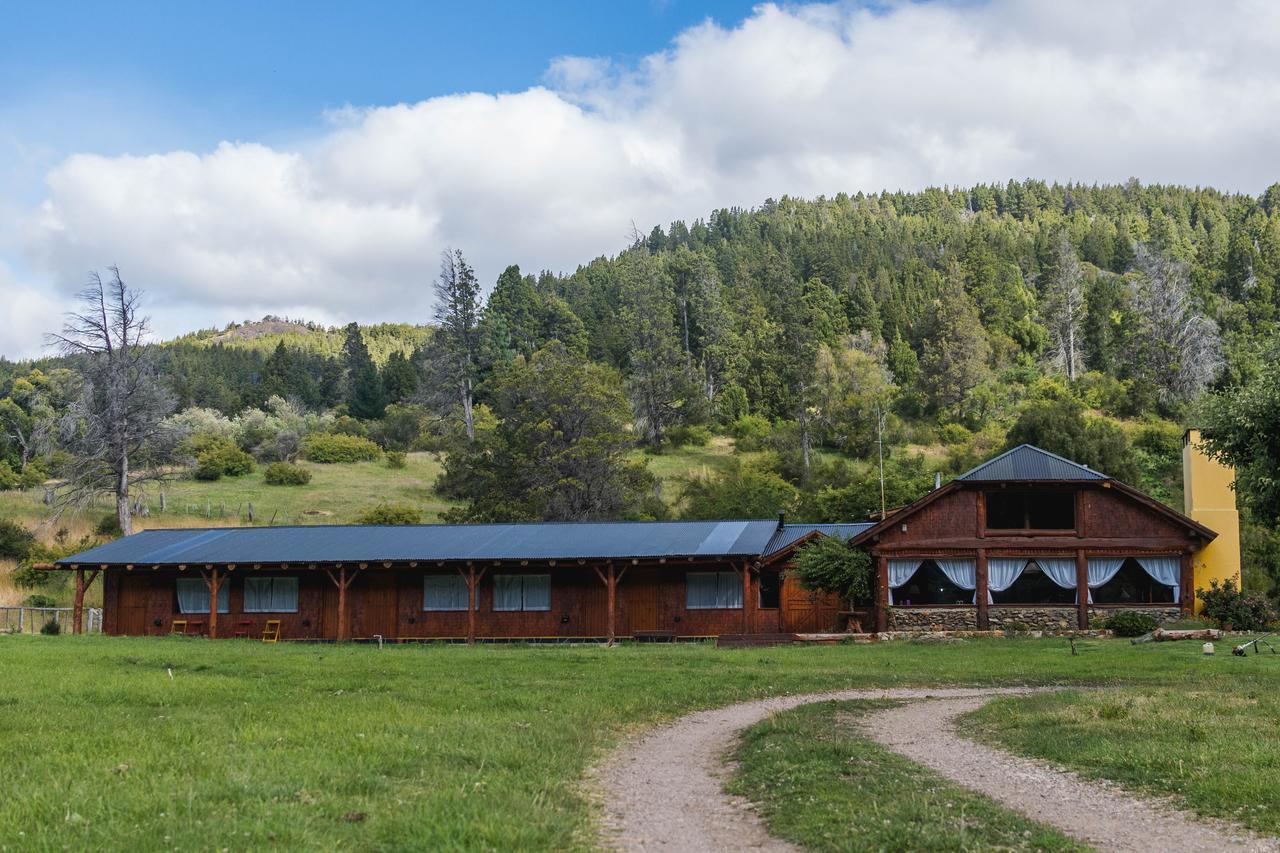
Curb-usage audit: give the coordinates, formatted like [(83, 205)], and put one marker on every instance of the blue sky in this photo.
[(314, 159)]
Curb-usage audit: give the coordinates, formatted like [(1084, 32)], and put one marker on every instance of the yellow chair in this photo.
[(179, 627), (271, 632)]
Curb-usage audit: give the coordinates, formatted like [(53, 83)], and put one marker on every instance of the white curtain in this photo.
[(193, 596), (962, 573), (1060, 570), (508, 592), (270, 595), (1165, 570), (444, 592), (713, 591), (537, 592), (1101, 571), (1002, 573), (900, 571)]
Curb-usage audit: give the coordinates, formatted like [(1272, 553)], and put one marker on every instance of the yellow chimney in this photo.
[(1210, 499)]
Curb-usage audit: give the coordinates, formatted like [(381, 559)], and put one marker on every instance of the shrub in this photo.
[(217, 456), (828, 564), (38, 599), (285, 474), (15, 540), (1131, 623), (1226, 604), (338, 447), (51, 628), (689, 436), (389, 513), (9, 479), (109, 526), (33, 475), (751, 431), (397, 459)]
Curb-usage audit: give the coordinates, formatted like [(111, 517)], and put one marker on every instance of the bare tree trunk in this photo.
[(468, 413), (124, 513)]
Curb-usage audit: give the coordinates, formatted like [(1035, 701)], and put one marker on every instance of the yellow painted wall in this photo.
[(1210, 499)]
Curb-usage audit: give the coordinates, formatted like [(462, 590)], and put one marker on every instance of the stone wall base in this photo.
[(1048, 620)]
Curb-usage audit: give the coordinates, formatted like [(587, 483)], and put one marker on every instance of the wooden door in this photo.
[(806, 611), (372, 599), (640, 601), (131, 605)]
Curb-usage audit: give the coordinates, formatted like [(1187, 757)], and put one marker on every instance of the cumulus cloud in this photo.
[(799, 100), (29, 312)]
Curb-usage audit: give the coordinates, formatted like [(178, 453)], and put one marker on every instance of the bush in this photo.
[(689, 436), (217, 457), (1131, 623), (38, 599), (828, 564), (9, 479), (388, 513), (338, 447), (397, 459), (751, 432), (33, 475), (109, 526), (15, 540), (51, 628), (1226, 604), (285, 474)]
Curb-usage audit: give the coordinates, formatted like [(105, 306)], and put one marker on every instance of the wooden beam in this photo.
[(610, 577), (882, 593), (214, 581), (342, 581), (982, 591), (1082, 591), (77, 612), (472, 578), (747, 609)]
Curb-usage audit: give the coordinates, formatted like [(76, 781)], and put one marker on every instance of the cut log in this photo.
[(1162, 635)]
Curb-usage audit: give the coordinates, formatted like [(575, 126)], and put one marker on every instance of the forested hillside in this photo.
[(939, 326)]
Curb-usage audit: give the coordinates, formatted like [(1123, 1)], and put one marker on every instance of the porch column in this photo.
[(747, 609), (77, 612), (1188, 583), (882, 594), (472, 578), (342, 581), (214, 582), (980, 594), (610, 578), (1082, 591)]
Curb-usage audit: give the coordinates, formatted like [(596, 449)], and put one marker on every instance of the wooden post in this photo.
[(473, 579), (981, 594), (342, 581), (610, 580), (214, 581), (77, 613), (882, 594), (1082, 591), (1187, 581), (747, 610)]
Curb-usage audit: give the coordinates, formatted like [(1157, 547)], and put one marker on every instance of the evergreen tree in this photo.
[(457, 315), (955, 354)]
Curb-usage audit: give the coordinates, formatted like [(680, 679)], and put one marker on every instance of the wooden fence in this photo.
[(29, 620)]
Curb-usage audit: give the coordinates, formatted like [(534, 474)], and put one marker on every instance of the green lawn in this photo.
[(1217, 750), (247, 745), (823, 786)]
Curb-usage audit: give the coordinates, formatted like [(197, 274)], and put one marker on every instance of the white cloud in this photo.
[(794, 100), (29, 312)]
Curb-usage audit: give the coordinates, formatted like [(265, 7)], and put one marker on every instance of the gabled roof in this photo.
[(1028, 462), (794, 534), (354, 543)]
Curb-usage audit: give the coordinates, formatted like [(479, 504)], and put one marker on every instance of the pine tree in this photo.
[(955, 347), (457, 315)]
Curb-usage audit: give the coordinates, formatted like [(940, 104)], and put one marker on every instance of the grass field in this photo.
[(823, 786), (437, 747)]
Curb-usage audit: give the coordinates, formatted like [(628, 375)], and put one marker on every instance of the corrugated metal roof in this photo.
[(792, 533), (1027, 462), (354, 543)]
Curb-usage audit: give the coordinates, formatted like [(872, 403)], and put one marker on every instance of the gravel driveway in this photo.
[(665, 791)]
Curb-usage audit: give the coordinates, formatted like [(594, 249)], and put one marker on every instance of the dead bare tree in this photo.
[(114, 433), (1177, 346), (1064, 309)]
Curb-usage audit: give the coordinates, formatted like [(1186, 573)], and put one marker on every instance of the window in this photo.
[(1132, 585), (444, 592), (193, 596), (1031, 510), (521, 592), (713, 591), (1033, 586), (770, 590), (929, 586), (270, 595)]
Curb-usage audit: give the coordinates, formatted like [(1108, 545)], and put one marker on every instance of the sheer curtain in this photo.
[(1002, 573), (962, 573), (1060, 570), (1165, 570), (1101, 571), (193, 596), (900, 571)]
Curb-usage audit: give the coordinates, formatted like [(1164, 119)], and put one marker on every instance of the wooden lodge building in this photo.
[(1027, 537)]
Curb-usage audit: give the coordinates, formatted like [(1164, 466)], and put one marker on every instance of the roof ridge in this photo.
[(1071, 462)]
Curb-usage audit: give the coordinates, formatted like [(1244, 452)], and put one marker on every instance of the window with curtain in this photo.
[(444, 592), (193, 596), (1033, 586), (521, 592), (1132, 584), (270, 595), (929, 585), (713, 591)]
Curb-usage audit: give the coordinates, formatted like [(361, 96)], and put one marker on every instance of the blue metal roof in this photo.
[(1027, 462), (792, 533), (354, 543)]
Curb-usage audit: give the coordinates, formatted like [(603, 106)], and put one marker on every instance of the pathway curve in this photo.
[(665, 791)]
